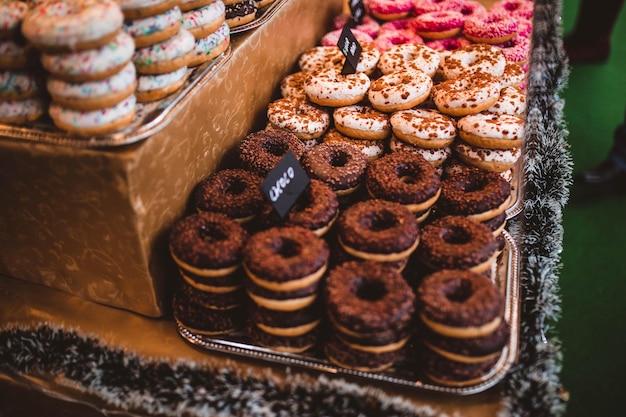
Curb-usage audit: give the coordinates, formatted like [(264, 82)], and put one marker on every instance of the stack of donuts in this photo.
[(22, 94), (206, 20), (241, 12)]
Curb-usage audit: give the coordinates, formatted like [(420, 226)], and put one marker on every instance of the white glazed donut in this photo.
[(157, 86), (362, 122), (18, 85), (205, 20), (513, 75), (474, 58), (372, 149), (468, 94), (22, 111), (399, 90), (329, 87), (319, 57), (492, 131), (435, 156), (93, 122), (424, 128), (512, 101), (166, 56), (91, 64), (409, 55), (154, 29), (15, 56), (497, 160), (75, 25), (303, 119), (92, 95), (186, 5), (212, 46), (137, 9), (293, 85)]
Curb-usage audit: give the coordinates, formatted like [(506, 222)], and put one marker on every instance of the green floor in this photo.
[(593, 278)]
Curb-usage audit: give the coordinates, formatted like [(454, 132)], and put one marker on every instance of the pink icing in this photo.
[(517, 49), (369, 24), (384, 7), (517, 8), (332, 37), (438, 21), (389, 38), (494, 25), (524, 27), (11, 14), (427, 6), (448, 44), (472, 8)]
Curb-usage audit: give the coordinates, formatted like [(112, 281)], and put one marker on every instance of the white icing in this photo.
[(508, 156), (512, 101), (22, 108), (330, 85), (17, 83), (205, 46), (93, 118), (153, 24), (497, 126), (474, 58), (463, 91), (11, 14), (320, 57), (153, 82), (92, 61), (363, 118), (431, 155), (175, 47), (204, 15), (298, 116), (399, 87), (116, 83), (423, 124), (409, 55), (293, 85)]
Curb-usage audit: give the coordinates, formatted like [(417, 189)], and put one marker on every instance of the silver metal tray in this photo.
[(507, 279), (263, 15), (517, 191), (149, 118)]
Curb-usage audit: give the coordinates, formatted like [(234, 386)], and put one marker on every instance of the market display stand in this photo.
[(63, 355)]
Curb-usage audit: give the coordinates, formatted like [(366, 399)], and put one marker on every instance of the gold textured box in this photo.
[(93, 222)]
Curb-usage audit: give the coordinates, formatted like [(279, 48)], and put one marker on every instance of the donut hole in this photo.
[(459, 292), (473, 184), (211, 233), (369, 290), (455, 235), (288, 248), (276, 148), (235, 187), (338, 159), (379, 221)]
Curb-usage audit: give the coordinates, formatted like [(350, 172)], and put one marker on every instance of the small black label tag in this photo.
[(357, 9), (351, 48), (284, 184)]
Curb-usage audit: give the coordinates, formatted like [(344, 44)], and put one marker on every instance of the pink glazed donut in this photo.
[(389, 9), (516, 50), (517, 8), (496, 27), (390, 38), (369, 25), (331, 38), (471, 8), (427, 6), (438, 25)]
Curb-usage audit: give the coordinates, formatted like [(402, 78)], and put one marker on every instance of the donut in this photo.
[(283, 259), (497, 160), (474, 58), (460, 304), (405, 178), (493, 131), (139, 9), (474, 193), (19, 85), (152, 87), (93, 95), (303, 119), (14, 55), (362, 122), (11, 15), (22, 111), (378, 230), (151, 30), (372, 149), (438, 25), (368, 24), (207, 244), (427, 6), (496, 27), (339, 165), (186, 5), (329, 87), (399, 90), (362, 357), (518, 8), (332, 38), (94, 122), (471, 8), (240, 12), (319, 57), (524, 27), (389, 38), (435, 156), (512, 101), (280, 298), (261, 151), (315, 209), (454, 373), (457, 242), (411, 55), (92, 64), (293, 323), (235, 192), (513, 75), (389, 9), (211, 46), (466, 95), (445, 46), (458, 162), (167, 56), (76, 25), (292, 85), (205, 20), (425, 128), (516, 50)]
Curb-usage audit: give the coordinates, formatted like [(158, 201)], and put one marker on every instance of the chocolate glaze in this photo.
[(353, 358), (339, 165), (402, 176), (240, 9), (235, 192), (459, 298), (261, 151), (285, 253), (471, 191), (378, 226), (208, 240)]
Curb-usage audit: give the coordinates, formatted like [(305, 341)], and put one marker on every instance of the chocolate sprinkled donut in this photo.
[(296, 344), (452, 373), (368, 297), (469, 347), (345, 356), (261, 151), (339, 165), (235, 192), (474, 192), (207, 240), (456, 242), (404, 177)]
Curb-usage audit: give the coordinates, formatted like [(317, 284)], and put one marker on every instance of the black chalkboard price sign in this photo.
[(357, 10), (351, 48), (285, 183)]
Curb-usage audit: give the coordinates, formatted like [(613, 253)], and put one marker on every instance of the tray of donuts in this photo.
[(103, 73)]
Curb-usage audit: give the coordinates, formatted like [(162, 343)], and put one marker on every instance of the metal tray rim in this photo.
[(268, 12)]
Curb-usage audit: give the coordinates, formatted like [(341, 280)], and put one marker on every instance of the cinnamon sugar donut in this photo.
[(438, 25), (494, 131), (496, 27), (435, 156), (303, 119), (262, 150), (399, 90), (329, 87), (425, 128), (362, 122), (513, 75), (466, 95), (411, 55), (497, 160), (512, 101), (319, 57), (292, 85), (474, 58), (372, 149)]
